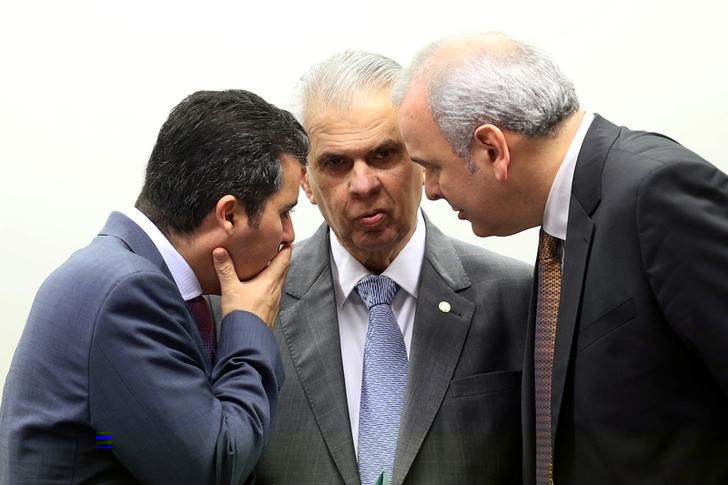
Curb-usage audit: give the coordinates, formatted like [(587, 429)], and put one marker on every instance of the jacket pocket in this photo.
[(607, 323), (499, 381)]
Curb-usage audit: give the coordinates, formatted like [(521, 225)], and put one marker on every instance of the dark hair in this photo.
[(216, 143)]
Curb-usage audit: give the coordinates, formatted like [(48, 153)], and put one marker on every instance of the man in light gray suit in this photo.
[(461, 310)]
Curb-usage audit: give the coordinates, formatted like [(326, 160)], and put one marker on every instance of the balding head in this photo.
[(488, 78)]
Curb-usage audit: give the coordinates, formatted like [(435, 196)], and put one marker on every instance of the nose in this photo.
[(289, 235), (432, 188), (363, 180)]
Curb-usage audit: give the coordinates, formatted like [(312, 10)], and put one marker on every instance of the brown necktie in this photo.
[(547, 312)]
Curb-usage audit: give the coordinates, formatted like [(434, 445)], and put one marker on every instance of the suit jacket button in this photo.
[(444, 307)]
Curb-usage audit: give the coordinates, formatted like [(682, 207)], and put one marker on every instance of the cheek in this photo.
[(334, 203), (454, 184)]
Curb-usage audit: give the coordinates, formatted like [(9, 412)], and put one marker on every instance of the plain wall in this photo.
[(85, 87)]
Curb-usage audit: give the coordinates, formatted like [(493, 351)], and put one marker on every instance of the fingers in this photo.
[(278, 266), (224, 268), (259, 295)]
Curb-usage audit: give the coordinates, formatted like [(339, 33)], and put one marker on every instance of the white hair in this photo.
[(338, 81), (489, 79)]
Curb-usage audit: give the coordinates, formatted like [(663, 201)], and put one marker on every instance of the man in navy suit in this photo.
[(626, 361), (117, 378)]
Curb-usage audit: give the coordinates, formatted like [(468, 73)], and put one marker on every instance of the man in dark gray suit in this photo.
[(460, 310), (116, 378), (626, 370)]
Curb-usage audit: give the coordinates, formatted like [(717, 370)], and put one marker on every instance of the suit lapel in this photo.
[(121, 227), (578, 242), (585, 198), (310, 328), (528, 408), (437, 342)]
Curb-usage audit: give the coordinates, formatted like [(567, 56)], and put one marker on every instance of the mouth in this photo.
[(461, 212), (371, 219)]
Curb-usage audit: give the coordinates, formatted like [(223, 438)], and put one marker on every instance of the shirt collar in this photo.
[(185, 279), (556, 215), (404, 270)]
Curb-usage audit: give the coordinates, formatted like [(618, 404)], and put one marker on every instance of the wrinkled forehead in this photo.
[(353, 131)]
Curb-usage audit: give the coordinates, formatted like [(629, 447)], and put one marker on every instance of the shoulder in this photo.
[(313, 248), (103, 270), (310, 258), (480, 261), (445, 251), (102, 264), (639, 154)]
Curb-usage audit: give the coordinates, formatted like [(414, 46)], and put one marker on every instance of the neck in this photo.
[(543, 157), (199, 258)]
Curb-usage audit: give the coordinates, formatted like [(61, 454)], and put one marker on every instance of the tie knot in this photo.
[(376, 290), (547, 246)]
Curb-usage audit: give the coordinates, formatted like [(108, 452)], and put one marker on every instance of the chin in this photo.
[(378, 241), (480, 231), (248, 272)]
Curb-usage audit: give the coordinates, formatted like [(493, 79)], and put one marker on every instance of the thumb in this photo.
[(224, 267)]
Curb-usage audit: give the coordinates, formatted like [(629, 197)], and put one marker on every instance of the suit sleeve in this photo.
[(169, 422), (683, 226)]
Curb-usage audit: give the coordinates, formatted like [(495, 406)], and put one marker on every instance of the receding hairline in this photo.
[(341, 80), (446, 53), (362, 99)]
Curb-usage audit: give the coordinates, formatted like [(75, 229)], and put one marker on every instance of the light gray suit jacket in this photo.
[(461, 419)]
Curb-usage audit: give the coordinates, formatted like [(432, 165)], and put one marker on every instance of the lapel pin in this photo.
[(444, 307)]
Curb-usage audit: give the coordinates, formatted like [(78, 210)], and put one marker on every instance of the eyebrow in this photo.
[(291, 206), (387, 143), (420, 161), (326, 155)]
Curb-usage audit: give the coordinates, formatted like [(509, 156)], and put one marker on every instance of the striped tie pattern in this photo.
[(384, 380), (547, 311), (201, 311)]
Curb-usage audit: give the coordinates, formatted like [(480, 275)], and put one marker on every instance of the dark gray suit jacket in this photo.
[(461, 421), (110, 347), (640, 380)]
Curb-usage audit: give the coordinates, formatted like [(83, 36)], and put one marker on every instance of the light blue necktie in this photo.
[(384, 380)]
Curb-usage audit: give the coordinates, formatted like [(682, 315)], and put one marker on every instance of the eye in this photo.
[(383, 153), (288, 213), (333, 162)]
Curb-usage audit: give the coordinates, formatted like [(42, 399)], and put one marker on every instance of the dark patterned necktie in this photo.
[(199, 309), (384, 379), (547, 312)]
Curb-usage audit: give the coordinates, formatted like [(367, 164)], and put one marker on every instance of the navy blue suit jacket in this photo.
[(110, 347)]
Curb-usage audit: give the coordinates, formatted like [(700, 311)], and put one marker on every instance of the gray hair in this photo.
[(490, 79), (338, 81)]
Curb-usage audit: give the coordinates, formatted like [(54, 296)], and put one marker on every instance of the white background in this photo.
[(85, 86)]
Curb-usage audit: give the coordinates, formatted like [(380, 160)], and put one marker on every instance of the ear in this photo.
[(306, 186), (229, 212), (490, 147)]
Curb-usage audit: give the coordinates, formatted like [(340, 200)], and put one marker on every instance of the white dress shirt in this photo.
[(354, 316), (556, 215), (184, 277)]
